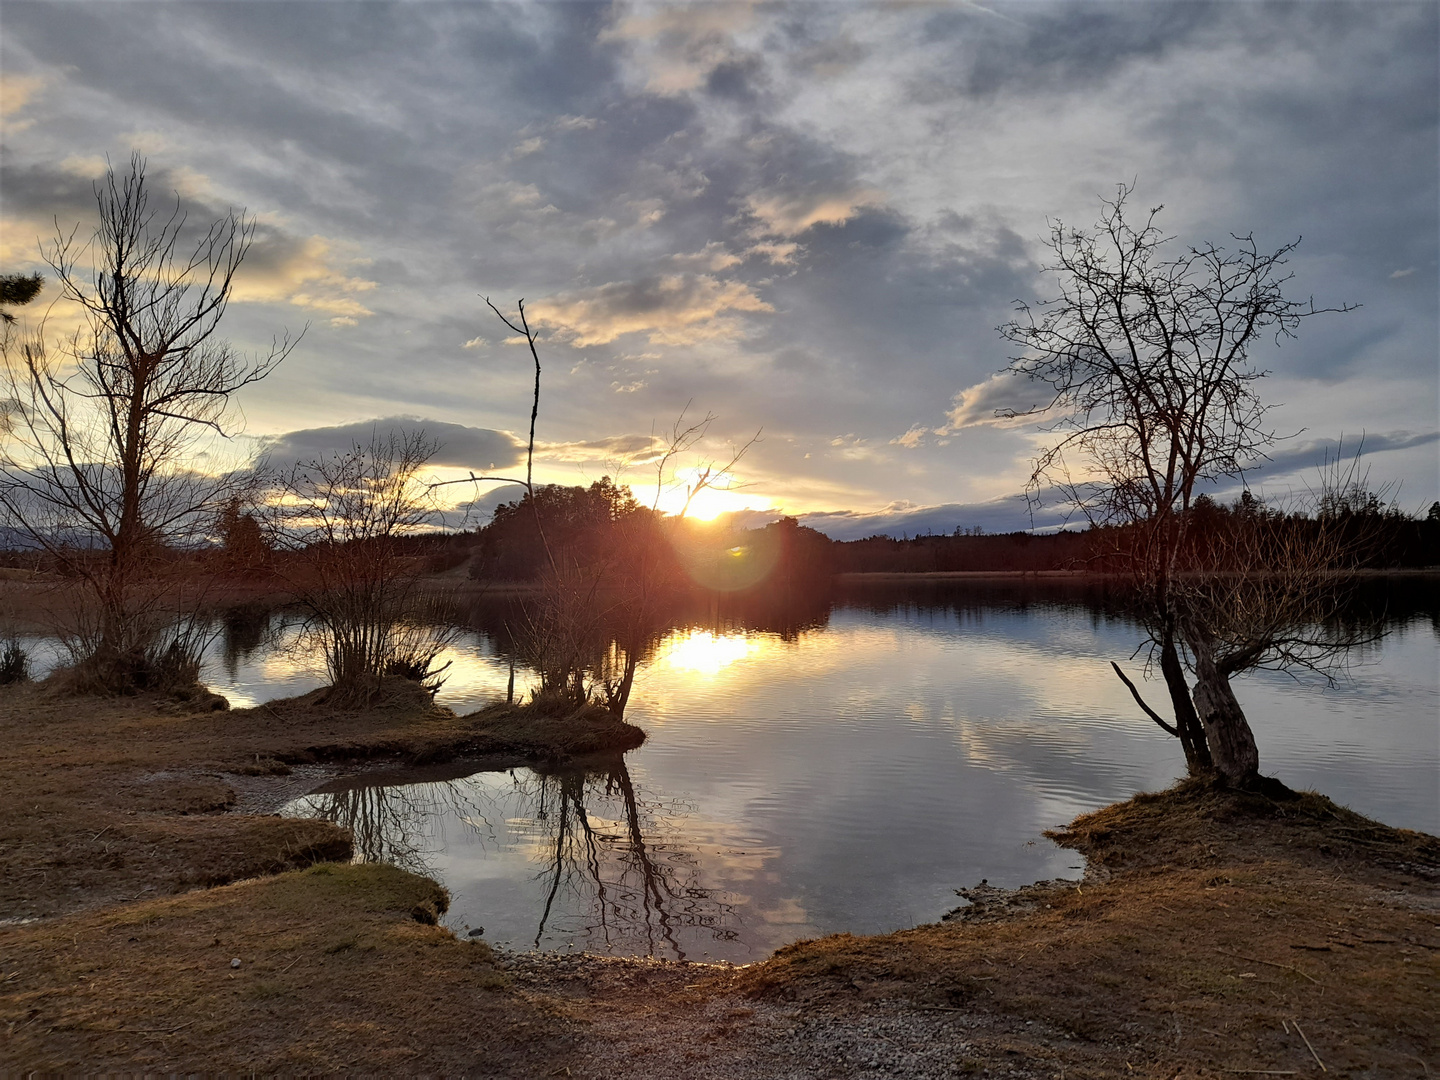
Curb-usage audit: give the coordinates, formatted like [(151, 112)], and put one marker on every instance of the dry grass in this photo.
[(109, 799), (1225, 919), (335, 972), (113, 823)]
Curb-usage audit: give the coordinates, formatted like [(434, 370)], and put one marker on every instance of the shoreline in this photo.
[(131, 833), (900, 577)]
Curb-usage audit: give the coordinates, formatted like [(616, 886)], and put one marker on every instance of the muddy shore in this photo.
[(1214, 934)]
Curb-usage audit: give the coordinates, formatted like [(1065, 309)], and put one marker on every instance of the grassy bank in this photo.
[(1216, 935), (106, 799)]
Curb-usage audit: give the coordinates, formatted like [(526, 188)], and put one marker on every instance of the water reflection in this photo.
[(609, 865), (847, 766), (242, 631)]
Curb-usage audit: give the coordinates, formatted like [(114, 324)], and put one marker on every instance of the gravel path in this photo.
[(645, 1020)]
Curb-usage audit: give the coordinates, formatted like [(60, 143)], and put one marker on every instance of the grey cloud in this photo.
[(677, 309), (616, 448), (379, 128), (999, 394), (1311, 455), (998, 515), (45, 191), (460, 447), (1064, 45), (479, 512)]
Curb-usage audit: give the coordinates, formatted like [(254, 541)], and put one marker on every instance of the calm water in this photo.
[(846, 769)]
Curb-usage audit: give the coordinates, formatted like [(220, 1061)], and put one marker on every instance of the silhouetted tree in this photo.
[(347, 518), (1151, 391), (241, 538), (102, 438)]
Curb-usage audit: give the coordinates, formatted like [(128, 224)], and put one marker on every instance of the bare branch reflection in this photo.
[(612, 868), (400, 824)]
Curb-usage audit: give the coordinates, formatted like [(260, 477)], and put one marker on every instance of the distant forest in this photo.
[(604, 523), (603, 528)]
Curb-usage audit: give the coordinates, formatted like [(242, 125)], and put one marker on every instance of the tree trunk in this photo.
[(1187, 721), (1231, 742)]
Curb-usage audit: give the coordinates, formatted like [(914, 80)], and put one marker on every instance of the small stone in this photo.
[(479, 931), (235, 963)]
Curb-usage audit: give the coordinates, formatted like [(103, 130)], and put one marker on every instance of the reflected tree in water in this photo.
[(607, 853), (243, 630), (397, 824), (641, 892)]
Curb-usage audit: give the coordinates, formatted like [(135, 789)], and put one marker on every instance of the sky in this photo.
[(804, 220)]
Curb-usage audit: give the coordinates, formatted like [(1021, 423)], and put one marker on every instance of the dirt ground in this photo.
[(1215, 935)]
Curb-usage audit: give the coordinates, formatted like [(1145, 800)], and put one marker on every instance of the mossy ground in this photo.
[(339, 968)]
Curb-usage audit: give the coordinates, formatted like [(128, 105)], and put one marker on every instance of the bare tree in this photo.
[(640, 567), (1261, 587), (99, 469), (519, 325), (1145, 356), (347, 518), (680, 439)]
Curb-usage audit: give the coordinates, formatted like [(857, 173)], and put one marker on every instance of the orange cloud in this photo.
[(672, 309), (792, 214), (281, 269)]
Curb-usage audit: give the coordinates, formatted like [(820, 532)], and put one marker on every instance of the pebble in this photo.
[(235, 963)]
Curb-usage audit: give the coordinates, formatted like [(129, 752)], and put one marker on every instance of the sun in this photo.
[(717, 498)]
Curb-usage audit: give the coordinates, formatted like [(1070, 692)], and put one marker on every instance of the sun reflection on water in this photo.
[(702, 652)]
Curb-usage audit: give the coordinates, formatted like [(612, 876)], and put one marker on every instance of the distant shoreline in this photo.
[(883, 577)]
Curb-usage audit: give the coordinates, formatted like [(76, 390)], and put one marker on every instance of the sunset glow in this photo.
[(710, 502), (548, 521)]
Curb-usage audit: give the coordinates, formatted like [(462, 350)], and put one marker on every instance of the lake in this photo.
[(845, 766)]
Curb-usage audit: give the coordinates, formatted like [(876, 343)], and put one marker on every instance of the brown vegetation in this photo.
[(1211, 924), (1214, 928), (109, 800), (96, 470)]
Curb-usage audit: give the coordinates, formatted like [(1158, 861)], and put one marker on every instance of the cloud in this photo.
[(86, 168), (713, 256), (1312, 455), (912, 438), (763, 133), (781, 253), (672, 309), (574, 123), (678, 48), (481, 450), (611, 450), (16, 92), (792, 213), (300, 271), (478, 512), (1010, 514), (977, 405)]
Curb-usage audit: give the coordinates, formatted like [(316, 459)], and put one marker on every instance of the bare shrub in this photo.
[(14, 663), (347, 518)]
